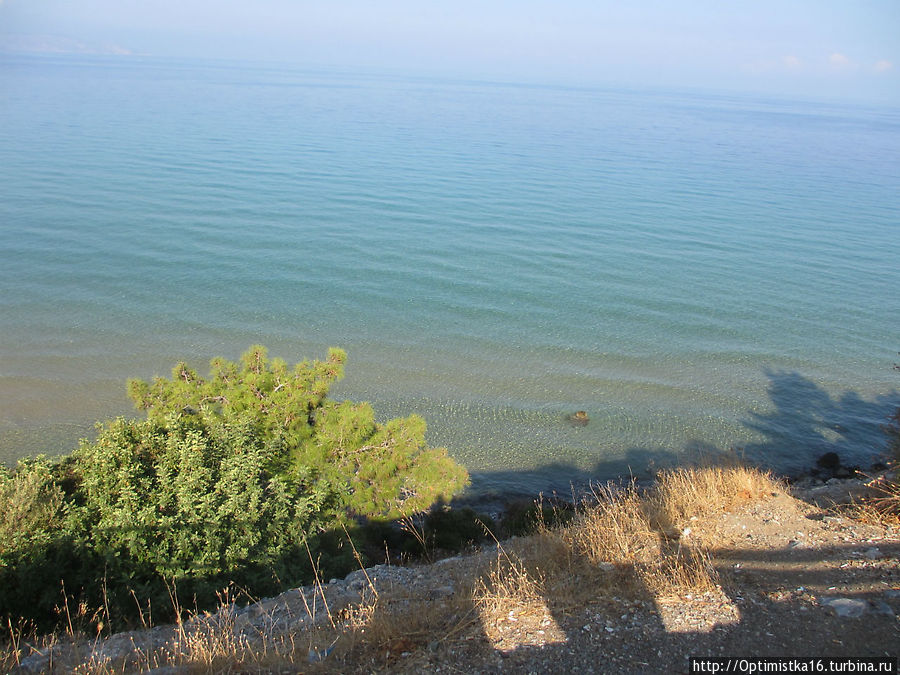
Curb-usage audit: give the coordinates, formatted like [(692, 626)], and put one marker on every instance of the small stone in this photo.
[(849, 608), (873, 553)]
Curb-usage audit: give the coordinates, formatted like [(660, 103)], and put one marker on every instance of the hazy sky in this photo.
[(837, 49)]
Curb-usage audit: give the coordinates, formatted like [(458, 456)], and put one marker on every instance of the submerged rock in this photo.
[(829, 461), (579, 418)]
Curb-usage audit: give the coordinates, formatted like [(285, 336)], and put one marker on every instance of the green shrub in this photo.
[(278, 401), (39, 547), (250, 477), (190, 497), (32, 512)]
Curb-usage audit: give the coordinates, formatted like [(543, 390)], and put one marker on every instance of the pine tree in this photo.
[(381, 470)]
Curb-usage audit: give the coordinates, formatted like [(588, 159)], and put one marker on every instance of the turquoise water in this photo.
[(698, 272)]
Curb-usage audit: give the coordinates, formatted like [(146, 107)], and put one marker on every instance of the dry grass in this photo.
[(22, 638), (507, 586), (683, 508), (378, 632), (884, 507), (686, 493), (16, 641), (516, 606), (614, 530), (680, 571), (625, 532), (653, 542)]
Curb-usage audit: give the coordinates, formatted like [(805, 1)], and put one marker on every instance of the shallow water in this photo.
[(698, 272)]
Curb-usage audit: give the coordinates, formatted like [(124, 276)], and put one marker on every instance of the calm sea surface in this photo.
[(696, 272)]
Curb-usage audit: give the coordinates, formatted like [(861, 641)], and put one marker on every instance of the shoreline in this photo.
[(827, 481)]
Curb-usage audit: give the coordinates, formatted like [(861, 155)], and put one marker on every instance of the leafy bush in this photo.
[(32, 507), (38, 549), (243, 478), (193, 498)]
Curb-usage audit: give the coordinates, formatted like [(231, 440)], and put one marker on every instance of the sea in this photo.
[(702, 273)]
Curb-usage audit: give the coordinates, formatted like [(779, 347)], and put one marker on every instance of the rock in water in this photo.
[(829, 461), (580, 418)]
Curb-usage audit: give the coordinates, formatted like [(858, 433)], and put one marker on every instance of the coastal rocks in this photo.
[(300, 608), (830, 461), (441, 592), (830, 466), (831, 483), (579, 419), (834, 491)]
